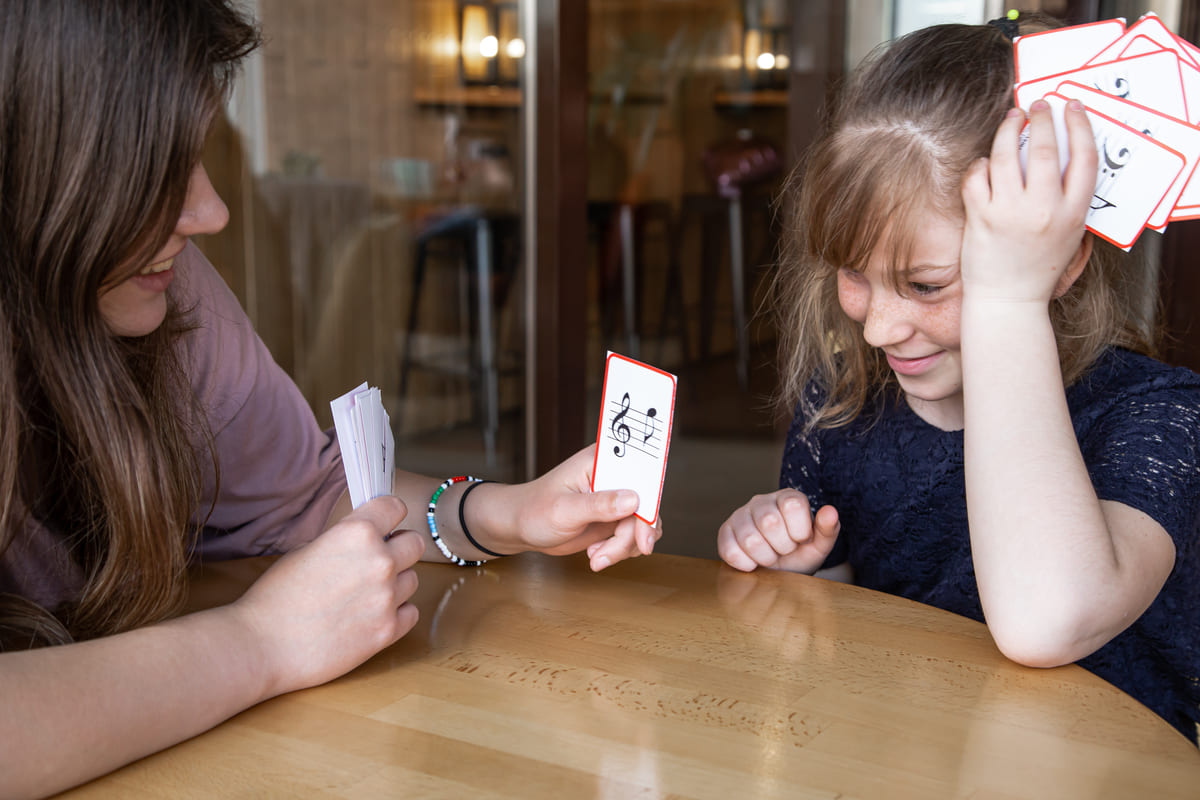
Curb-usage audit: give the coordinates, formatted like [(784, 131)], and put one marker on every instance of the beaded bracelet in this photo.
[(433, 531)]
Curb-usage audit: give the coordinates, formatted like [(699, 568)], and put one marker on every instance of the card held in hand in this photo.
[(636, 414), (1141, 88), (364, 433)]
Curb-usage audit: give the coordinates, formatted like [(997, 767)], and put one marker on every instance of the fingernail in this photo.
[(1039, 105), (1014, 112), (627, 502), (601, 562), (1075, 105)]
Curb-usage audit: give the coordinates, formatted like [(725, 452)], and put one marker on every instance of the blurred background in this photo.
[(469, 202)]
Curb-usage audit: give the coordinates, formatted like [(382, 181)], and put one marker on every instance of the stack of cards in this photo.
[(1141, 88), (368, 447), (636, 413)]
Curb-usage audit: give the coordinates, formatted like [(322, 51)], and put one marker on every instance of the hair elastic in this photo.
[(433, 531), (1009, 24), (462, 520)]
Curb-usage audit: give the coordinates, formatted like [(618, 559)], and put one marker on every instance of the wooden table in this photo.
[(674, 677)]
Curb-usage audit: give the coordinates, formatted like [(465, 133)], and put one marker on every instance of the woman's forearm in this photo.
[(416, 490), (71, 713)]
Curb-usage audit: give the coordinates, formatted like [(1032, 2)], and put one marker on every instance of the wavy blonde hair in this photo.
[(905, 128)]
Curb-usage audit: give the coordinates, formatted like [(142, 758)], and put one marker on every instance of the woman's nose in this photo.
[(203, 209)]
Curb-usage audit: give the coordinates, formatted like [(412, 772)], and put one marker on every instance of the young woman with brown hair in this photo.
[(144, 425)]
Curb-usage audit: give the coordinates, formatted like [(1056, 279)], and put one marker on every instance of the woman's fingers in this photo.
[(406, 586), (407, 616), (621, 545), (648, 536), (384, 513), (406, 547)]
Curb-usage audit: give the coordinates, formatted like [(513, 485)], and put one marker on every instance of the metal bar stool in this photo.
[(734, 167), (479, 235), (620, 228)]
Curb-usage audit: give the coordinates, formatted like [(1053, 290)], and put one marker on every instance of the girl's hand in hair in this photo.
[(328, 606), (1024, 239), (778, 531)]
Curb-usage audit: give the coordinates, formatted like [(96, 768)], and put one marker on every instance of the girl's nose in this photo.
[(203, 209), (885, 323)]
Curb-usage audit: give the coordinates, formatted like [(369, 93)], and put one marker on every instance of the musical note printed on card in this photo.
[(1140, 85), (1135, 174), (636, 411)]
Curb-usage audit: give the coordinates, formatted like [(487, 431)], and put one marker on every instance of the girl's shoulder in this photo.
[(1131, 406), (1123, 376)]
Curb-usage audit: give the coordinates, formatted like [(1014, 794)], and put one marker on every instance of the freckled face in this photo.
[(138, 305), (918, 327)]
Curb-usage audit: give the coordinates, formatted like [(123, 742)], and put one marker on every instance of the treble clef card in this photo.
[(636, 413), (1140, 85), (1135, 174)]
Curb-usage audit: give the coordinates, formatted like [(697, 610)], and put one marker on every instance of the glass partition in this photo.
[(687, 147), (371, 160)]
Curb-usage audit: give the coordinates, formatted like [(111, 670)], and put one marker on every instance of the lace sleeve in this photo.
[(1144, 451)]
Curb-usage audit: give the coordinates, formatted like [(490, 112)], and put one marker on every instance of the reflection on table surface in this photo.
[(674, 677)]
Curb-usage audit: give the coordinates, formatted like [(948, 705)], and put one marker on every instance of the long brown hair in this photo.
[(905, 128), (105, 109)]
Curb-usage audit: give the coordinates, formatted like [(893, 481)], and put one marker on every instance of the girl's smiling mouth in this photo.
[(912, 366)]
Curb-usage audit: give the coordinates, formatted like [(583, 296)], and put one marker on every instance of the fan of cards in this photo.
[(368, 446), (1141, 87)]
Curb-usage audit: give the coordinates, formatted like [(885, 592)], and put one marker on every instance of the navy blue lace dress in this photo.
[(898, 487)]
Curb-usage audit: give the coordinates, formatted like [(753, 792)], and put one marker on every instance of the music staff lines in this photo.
[(643, 440)]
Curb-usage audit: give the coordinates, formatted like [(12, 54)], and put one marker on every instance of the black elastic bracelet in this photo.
[(462, 520)]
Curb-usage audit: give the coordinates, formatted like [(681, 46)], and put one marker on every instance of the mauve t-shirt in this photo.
[(280, 473)]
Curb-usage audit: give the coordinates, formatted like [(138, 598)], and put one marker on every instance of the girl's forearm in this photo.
[(72, 713), (1043, 553)]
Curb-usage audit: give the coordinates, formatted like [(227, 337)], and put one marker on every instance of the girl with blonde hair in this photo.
[(978, 424)]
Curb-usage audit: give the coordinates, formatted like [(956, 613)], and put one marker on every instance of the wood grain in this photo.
[(671, 677)]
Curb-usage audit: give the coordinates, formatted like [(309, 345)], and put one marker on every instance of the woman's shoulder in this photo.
[(223, 356), (200, 290)]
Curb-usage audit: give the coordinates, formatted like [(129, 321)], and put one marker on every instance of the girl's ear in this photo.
[(1075, 268)]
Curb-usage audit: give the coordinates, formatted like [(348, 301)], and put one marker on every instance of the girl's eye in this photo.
[(924, 289)]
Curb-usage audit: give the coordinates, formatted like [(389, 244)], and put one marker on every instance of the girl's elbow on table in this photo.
[(1043, 637)]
